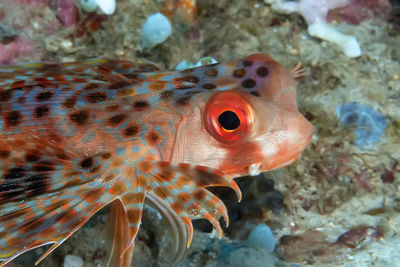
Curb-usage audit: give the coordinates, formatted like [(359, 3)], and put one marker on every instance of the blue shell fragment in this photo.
[(369, 123)]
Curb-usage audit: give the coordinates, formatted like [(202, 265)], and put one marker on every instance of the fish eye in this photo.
[(229, 120), (228, 117)]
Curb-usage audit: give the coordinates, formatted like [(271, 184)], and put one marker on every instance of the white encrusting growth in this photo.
[(262, 238), (315, 12), (255, 169), (202, 62), (107, 6), (156, 30), (72, 261)]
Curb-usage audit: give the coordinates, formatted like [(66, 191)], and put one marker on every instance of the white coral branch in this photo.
[(315, 12)]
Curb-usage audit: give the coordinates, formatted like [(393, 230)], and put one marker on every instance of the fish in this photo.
[(78, 136)]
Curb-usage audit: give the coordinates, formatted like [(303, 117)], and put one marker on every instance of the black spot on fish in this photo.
[(209, 86), (44, 96), (79, 118), (96, 97), (37, 185), (43, 166), (140, 104), (249, 83), (262, 71), (247, 63), (15, 173), (131, 131), (86, 163), (13, 118), (116, 119), (4, 154), (41, 111)]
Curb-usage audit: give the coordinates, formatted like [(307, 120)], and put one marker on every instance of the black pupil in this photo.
[(229, 120)]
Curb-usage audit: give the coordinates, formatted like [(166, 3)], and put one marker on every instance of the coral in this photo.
[(369, 123), (262, 238), (315, 13), (107, 6), (156, 30)]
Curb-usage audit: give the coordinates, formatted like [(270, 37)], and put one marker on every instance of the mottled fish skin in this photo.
[(75, 137)]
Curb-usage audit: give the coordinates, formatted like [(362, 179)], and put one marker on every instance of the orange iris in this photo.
[(228, 117)]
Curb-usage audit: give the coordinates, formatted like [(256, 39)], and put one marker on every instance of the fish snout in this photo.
[(292, 141)]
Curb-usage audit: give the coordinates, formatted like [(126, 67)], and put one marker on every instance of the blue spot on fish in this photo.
[(135, 149)]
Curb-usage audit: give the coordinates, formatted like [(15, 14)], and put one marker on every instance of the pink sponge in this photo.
[(67, 12), (10, 52), (359, 10)]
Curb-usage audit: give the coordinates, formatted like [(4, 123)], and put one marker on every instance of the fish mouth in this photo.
[(257, 168)]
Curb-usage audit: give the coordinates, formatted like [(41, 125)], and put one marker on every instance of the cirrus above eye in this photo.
[(229, 120)]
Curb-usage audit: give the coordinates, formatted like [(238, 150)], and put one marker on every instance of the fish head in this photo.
[(253, 126)]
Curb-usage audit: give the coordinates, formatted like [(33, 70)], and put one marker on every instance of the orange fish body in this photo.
[(75, 137)]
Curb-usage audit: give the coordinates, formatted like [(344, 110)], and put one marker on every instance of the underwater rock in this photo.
[(369, 123), (247, 256), (242, 254)]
